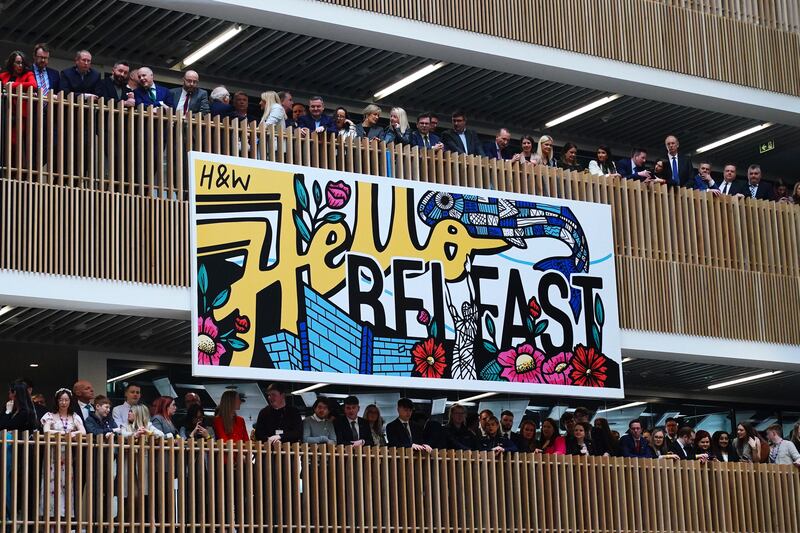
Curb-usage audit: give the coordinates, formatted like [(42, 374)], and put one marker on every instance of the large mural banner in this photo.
[(302, 274)]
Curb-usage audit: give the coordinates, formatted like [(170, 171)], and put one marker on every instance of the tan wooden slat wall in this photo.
[(174, 485), (651, 33), (778, 14), (684, 258)]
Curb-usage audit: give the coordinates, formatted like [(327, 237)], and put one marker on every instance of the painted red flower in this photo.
[(522, 365), (588, 367), (556, 370), (429, 358), (534, 308), (209, 349), (337, 194), (242, 324)]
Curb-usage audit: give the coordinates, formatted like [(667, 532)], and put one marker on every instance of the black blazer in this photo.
[(220, 109), (764, 191), (397, 436), (460, 438), (452, 142), (688, 454), (737, 187), (490, 150), (106, 89), (574, 449), (686, 171), (71, 81), (53, 77), (733, 457), (626, 170), (344, 433)]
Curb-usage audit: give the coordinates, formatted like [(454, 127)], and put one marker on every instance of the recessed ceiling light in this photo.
[(582, 110), (34, 365), (5, 309), (211, 45), (479, 396), (411, 78), (731, 138), (624, 406), (128, 375), (744, 379), (309, 389)]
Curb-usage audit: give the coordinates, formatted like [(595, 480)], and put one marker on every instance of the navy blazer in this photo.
[(53, 77), (163, 96), (737, 187), (344, 433), (624, 169), (687, 453), (490, 149), (307, 121), (686, 172), (764, 191), (397, 436), (417, 140), (99, 426), (108, 90), (220, 109), (452, 142), (627, 447), (72, 82)]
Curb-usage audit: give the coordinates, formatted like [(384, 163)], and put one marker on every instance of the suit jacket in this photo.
[(72, 82), (344, 433), (163, 95), (626, 169), (417, 140), (397, 436), (627, 447), (737, 187), (686, 454), (220, 109), (764, 191), (490, 149), (106, 88), (686, 172), (307, 121), (452, 142), (53, 77), (198, 103)]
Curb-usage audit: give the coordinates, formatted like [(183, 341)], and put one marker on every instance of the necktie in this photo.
[(354, 429), (637, 446), (427, 142), (186, 103), (675, 169), (408, 430), (499, 154), (43, 82), (153, 94), (753, 189), (725, 188)]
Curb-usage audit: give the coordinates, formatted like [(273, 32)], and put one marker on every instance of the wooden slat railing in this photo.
[(175, 485), (683, 257), (778, 14), (644, 32)]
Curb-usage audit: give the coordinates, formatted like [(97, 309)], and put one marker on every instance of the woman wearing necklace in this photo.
[(62, 420)]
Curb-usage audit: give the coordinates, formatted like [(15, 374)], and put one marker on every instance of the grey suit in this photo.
[(197, 104)]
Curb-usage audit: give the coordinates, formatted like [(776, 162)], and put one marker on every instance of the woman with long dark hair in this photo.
[(20, 413), (722, 449), (551, 440), (603, 164), (748, 443), (569, 158), (603, 439), (18, 73)]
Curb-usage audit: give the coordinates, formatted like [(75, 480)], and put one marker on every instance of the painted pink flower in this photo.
[(337, 194), (522, 365), (423, 317), (209, 349), (556, 370)]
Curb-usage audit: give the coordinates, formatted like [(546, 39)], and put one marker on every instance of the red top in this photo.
[(239, 430), (26, 80), (558, 447)]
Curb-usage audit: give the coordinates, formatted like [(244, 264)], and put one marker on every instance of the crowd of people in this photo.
[(137, 86)]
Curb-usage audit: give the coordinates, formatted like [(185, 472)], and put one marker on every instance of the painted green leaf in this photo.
[(221, 299), (301, 193), (334, 217), (540, 327), (599, 312), (433, 329), (317, 190), (490, 347), (237, 344), (301, 226), (490, 325), (202, 279), (529, 323), (596, 336)]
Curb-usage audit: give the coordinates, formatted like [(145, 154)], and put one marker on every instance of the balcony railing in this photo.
[(54, 483), (778, 14), (99, 191), (653, 33)]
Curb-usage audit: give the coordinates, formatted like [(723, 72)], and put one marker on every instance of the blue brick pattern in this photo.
[(392, 357), (366, 351), (334, 339), (284, 350)]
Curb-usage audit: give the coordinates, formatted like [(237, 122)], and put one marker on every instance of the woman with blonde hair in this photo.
[(369, 127), (544, 152), (398, 131), (139, 423), (272, 111)]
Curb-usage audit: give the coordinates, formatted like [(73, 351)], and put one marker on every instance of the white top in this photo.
[(276, 115), (120, 414), (596, 170), (68, 425)]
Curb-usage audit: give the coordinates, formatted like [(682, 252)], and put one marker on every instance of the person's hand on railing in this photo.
[(421, 448), (498, 450), (438, 146), (274, 440), (304, 132), (130, 100), (358, 443)]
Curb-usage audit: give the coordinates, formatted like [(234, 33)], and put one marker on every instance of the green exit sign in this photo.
[(766, 147)]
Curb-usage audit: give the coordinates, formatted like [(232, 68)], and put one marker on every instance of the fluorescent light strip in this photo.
[(309, 389), (478, 397), (211, 45), (619, 407), (128, 375), (744, 379), (408, 80), (732, 138), (582, 110), (627, 360), (5, 309)]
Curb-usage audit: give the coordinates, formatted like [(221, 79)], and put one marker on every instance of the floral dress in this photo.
[(69, 425)]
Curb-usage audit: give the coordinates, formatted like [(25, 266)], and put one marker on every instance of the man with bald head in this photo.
[(150, 94), (680, 164), (190, 97), (83, 392)]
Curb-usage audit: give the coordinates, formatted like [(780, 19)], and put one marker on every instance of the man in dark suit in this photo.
[(351, 429), (499, 148), (316, 120), (633, 168), (83, 393), (671, 431), (190, 97), (115, 88), (424, 137), (150, 94), (507, 425), (47, 79), (683, 444), (460, 139), (401, 433), (633, 444), (760, 190), (682, 171), (82, 78), (730, 185)]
